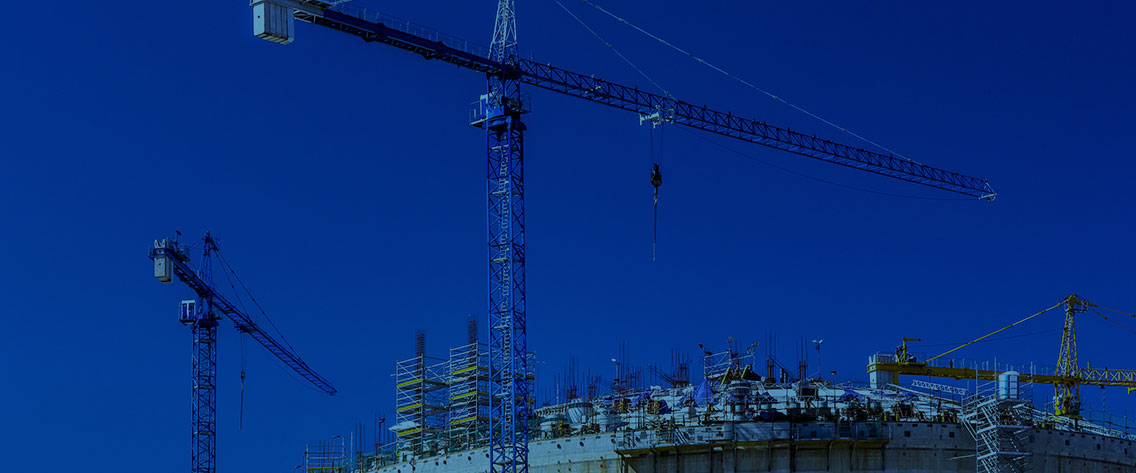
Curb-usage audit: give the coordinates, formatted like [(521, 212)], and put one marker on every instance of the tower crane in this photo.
[(498, 113), (202, 316), (1066, 380)]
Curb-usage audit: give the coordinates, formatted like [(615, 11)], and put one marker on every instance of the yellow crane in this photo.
[(1066, 381)]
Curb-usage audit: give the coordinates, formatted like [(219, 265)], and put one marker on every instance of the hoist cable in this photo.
[(244, 354), (655, 229), (280, 364), (244, 343), (655, 204)]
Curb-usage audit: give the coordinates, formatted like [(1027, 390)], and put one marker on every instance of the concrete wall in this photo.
[(815, 447), (1058, 451), (810, 447), (578, 454)]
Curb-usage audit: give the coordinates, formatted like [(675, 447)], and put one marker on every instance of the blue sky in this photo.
[(346, 187)]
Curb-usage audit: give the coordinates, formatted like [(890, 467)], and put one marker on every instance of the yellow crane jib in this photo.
[(1066, 380)]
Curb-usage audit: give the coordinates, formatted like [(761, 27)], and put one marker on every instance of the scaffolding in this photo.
[(326, 457), (730, 363), (420, 402), (444, 404), (469, 392)]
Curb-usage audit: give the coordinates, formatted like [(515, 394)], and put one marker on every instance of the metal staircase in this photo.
[(1001, 437)]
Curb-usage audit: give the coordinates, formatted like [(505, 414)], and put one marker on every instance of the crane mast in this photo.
[(500, 116), (203, 322), (1067, 395)]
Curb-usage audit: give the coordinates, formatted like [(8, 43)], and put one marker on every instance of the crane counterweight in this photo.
[(273, 21), (162, 269)]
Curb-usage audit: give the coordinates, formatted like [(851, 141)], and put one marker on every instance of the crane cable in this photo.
[(972, 342), (276, 360), (253, 298), (616, 51), (1008, 337), (1131, 389), (1114, 310), (244, 342), (745, 82), (1113, 321), (244, 354), (656, 175), (656, 181), (727, 148)]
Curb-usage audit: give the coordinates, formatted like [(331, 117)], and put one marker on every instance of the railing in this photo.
[(409, 27), (669, 436)]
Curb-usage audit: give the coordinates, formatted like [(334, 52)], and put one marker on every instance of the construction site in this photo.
[(480, 405), (750, 413)]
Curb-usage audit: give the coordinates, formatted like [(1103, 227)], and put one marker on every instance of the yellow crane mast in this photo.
[(1066, 381)]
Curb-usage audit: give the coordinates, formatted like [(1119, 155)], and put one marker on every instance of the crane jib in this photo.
[(464, 54), (754, 131), (242, 321)]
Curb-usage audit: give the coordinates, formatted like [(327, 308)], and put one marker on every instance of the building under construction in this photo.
[(737, 416), (748, 414)]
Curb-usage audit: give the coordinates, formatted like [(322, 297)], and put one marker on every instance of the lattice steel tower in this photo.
[(500, 116), (1067, 396), (203, 321)]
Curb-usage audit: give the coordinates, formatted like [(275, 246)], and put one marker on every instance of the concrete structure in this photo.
[(914, 447), (735, 421)]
